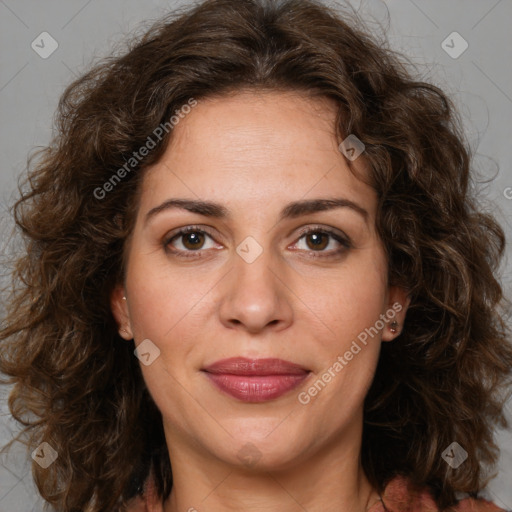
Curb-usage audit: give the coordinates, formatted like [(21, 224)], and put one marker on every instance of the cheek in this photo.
[(348, 301), (161, 298), (348, 345)]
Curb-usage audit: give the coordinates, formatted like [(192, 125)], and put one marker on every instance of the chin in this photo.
[(263, 453)]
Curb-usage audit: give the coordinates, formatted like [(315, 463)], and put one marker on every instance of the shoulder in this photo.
[(137, 504), (401, 495), (148, 501), (480, 505)]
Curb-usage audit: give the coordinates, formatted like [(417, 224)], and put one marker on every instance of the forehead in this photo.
[(255, 147)]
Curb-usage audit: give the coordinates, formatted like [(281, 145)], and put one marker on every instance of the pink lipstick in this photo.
[(255, 380)]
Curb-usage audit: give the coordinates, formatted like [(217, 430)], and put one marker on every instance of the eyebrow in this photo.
[(290, 211)]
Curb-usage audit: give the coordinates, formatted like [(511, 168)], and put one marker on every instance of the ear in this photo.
[(119, 307), (396, 309)]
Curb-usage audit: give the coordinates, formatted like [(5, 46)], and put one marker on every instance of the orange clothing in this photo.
[(400, 495)]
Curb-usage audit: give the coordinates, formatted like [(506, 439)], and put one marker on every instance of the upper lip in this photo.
[(246, 366)]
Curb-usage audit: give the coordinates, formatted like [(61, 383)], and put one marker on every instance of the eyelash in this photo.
[(345, 242)]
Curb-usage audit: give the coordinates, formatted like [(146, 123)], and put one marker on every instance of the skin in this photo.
[(254, 152)]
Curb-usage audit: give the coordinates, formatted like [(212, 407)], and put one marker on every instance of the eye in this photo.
[(188, 242), (318, 239), (189, 239)]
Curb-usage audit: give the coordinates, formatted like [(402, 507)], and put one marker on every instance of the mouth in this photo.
[(255, 380)]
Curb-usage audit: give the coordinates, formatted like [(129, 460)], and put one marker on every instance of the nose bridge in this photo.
[(254, 279), (255, 295), (253, 264)]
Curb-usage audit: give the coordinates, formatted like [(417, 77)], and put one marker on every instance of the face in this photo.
[(263, 273)]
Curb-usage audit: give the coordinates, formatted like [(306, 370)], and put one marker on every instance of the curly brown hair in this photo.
[(79, 388)]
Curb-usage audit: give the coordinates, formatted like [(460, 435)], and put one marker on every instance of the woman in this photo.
[(232, 218)]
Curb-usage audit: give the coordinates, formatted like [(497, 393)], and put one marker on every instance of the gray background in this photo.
[(480, 81)]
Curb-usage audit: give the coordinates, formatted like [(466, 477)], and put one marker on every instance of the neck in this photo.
[(328, 480)]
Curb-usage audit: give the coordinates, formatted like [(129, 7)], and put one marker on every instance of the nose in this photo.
[(255, 296)]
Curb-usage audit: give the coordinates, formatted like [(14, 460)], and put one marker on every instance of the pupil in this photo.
[(193, 239), (317, 239)]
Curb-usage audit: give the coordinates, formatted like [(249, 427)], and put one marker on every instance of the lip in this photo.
[(255, 380)]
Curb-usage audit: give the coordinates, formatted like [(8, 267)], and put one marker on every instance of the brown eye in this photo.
[(188, 242), (319, 240), (193, 240)]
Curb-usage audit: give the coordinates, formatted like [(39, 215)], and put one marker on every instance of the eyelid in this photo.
[(187, 229), (329, 230), (338, 235)]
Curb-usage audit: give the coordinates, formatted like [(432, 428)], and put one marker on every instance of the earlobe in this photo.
[(119, 307), (398, 303)]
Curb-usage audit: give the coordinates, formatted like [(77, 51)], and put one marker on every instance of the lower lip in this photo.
[(255, 388)]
